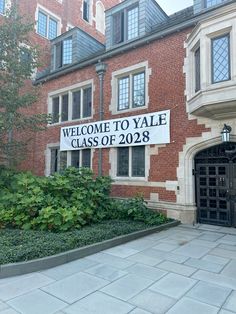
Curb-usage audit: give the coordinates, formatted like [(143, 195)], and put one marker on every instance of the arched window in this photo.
[(100, 17)]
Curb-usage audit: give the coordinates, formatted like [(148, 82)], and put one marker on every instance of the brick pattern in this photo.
[(166, 91)]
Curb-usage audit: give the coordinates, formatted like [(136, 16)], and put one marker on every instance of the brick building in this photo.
[(147, 106)]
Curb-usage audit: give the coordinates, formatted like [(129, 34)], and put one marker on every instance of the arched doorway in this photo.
[(215, 172)]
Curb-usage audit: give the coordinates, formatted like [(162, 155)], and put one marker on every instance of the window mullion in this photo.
[(130, 162), (131, 91), (70, 104), (81, 103), (60, 108)]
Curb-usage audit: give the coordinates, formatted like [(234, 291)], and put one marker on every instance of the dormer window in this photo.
[(63, 55), (86, 9), (125, 25), (211, 3), (2, 6)]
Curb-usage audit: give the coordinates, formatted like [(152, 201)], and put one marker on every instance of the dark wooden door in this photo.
[(214, 189)]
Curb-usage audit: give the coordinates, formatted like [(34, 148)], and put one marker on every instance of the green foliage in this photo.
[(58, 203), (18, 61), (22, 245), (65, 201), (136, 209)]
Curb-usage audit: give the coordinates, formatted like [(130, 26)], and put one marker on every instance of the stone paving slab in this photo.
[(183, 270), (37, 302), (154, 302), (187, 306), (99, 303), (230, 304), (209, 293)]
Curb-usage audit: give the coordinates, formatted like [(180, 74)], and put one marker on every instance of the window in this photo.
[(125, 25), (197, 70), (75, 104), (63, 53), (59, 161), (220, 47), (86, 8), (210, 3), (100, 17), (131, 91), (2, 6), (47, 25), (132, 23), (131, 161)]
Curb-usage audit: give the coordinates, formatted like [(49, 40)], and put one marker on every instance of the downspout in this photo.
[(101, 70)]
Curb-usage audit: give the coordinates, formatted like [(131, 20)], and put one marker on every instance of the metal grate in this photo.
[(220, 59)]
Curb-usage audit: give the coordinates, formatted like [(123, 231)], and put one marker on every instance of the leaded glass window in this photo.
[(42, 24), (131, 161), (221, 59), (75, 104), (63, 161), (2, 6), (139, 90), (123, 162), (125, 24), (67, 51), (197, 70), (123, 91), (138, 161), (75, 158), (131, 91), (60, 160), (87, 102), (64, 108), (86, 8), (76, 110), (210, 3), (86, 158), (52, 29), (47, 26), (132, 23), (54, 163), (55, 110)]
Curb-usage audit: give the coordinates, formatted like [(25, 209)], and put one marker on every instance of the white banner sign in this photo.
[(147, 129)]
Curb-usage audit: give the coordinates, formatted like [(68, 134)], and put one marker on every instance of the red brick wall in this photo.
[(166, 91)]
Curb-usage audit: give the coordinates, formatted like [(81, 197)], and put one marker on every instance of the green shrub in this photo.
[(65, 201), (61, 202)]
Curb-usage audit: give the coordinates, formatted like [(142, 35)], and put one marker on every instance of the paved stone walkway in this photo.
[(184, 270)]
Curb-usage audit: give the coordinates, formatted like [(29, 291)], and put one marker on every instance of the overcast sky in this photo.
[(171, 6)]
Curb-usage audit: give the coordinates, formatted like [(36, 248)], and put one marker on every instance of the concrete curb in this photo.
[(40, 264)]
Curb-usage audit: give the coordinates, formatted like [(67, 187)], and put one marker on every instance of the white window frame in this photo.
[(51, 15), (129, 71), (91, 17), (69, 90), (52, 146)]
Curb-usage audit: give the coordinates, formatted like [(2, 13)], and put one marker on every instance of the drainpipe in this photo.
[(101, 70)]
